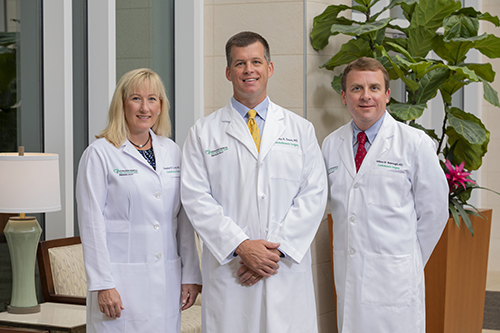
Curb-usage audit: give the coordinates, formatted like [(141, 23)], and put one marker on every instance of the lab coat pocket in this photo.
[(386, 187), (386, 280), (132, 284), (173, 274), (117, 237)]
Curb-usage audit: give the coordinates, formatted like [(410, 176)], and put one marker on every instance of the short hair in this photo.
[(364, 64), (243, 39), (116, 131)]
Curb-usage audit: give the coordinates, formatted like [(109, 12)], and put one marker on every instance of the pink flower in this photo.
[(456, 176)]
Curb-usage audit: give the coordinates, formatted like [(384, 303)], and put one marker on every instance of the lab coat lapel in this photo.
[(159, 152), (237, 128), (345, 150), (379, 146), (273, 129)]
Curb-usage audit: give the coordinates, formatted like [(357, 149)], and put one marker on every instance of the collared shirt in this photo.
[(371, 134), (261, 109)]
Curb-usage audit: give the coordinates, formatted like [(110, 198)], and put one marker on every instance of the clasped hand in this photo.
[(259, 258)]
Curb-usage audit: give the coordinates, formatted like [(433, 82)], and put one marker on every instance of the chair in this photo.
[(62, 271)]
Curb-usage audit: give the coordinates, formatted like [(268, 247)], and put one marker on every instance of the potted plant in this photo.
[(450, 32)]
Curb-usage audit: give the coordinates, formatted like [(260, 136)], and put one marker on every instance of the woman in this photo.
[(138, 245)]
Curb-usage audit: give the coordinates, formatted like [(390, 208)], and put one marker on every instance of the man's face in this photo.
[(365, 97), (249, 72)]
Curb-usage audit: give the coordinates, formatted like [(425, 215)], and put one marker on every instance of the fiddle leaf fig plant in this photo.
[(403, 47)]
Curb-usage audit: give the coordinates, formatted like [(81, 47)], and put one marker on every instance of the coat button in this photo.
[(352, 252), (262, 196), (356, 186), (352, 219), (158, 195), (158, 255), (156, 226)]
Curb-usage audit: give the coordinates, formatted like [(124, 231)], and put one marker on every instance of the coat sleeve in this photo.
[(91, 191), (297, 230), (430, 190), (186, 244), (219, 232)]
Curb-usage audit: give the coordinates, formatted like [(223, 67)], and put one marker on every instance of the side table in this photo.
[(53, 317)]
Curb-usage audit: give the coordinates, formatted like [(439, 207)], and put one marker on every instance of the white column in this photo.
[(58, 107), (189, 104), (101, 62)]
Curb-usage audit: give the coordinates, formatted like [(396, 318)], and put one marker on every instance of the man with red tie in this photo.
[(389, 202)]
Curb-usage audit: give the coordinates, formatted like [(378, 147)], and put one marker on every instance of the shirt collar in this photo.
[(371, 133), (243, 110)]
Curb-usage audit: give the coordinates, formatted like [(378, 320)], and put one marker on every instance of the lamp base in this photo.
[(16, 310), (22, 234)]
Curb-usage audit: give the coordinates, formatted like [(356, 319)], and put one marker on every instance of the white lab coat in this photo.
[(387, 219), (135, 235), (231, 193)]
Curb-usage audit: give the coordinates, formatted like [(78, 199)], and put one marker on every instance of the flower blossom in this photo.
[(456, 176)]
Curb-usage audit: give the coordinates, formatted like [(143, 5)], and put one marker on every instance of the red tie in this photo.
[(361, 153)]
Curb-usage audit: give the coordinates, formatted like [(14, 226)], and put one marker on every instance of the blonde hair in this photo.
[(116, 131)]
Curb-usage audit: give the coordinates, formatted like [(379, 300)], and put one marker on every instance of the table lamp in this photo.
[(29, 183)]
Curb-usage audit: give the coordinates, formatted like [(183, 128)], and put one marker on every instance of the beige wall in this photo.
[(490, 169), (282, 24)]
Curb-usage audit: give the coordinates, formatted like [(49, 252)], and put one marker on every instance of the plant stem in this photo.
[(445, 119)]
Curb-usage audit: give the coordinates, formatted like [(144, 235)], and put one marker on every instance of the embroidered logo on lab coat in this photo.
[(288, 142), (216, 152), (125, 172), (172, 170), (389, 164), (332, 169)]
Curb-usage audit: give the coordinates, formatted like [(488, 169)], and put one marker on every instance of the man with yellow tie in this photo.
[(254, 187)]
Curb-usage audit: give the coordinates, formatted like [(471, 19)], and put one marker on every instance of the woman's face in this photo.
[(142, 108)]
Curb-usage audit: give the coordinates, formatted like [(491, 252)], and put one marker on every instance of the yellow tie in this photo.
[(254, 129)]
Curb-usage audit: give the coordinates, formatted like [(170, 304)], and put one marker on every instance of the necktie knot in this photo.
[(362, 138), (251, 114)]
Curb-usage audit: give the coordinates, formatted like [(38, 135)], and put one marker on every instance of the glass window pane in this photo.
[(144, 38)]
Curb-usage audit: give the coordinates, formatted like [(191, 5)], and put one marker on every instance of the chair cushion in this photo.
[(191, 320), (68, 270)]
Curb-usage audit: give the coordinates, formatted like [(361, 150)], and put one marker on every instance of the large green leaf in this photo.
[(365, 3), (467, 125), (419, 68), (451, 86), (350, 51), (406, 112), (490, 94), (360, 29), (484, 71), (431, 13), (472, 155), (460, 26), (489, 46), (322, 25), (465, 71), (429, 85), (487, 17), (452, 51), (420, 40), (411, 84), (408, 9), (429, 132)]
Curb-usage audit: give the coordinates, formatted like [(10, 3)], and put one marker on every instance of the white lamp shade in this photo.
[(29, 183)]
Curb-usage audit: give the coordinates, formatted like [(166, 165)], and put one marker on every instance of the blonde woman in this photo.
[(139, 248)]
